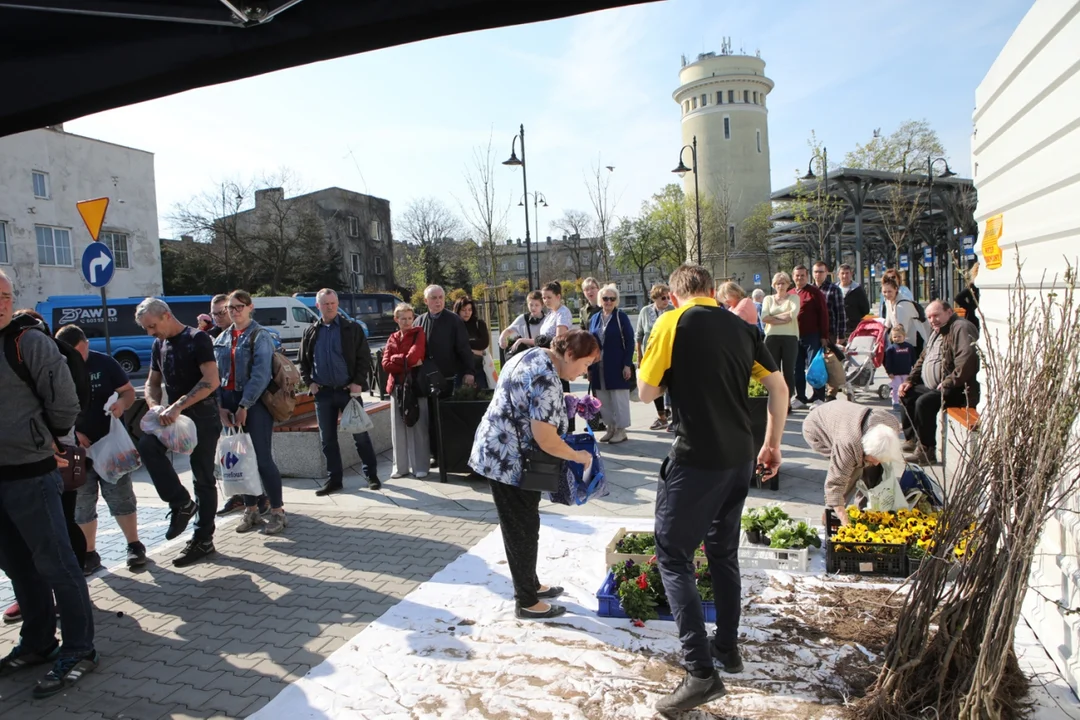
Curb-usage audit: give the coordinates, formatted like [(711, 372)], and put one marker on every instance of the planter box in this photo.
[(875, 558), (609, 605), (613, 557), (751, 557), (457, 421)]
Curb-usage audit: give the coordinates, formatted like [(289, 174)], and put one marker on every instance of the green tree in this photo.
[(637, 244), (426, 223), (906, 150), (755, 234)]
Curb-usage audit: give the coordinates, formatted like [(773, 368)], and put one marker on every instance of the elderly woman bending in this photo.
[(853, 437)]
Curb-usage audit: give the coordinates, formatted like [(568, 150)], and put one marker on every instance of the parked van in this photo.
[(129, 342), (309, 300), (376, 310), (287, 315)]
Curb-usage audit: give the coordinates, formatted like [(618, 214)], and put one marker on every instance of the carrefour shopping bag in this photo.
[(237, 464), (817, 374)]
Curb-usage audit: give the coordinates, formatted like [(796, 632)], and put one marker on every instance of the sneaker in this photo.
[(19, 658), (692, 692), (922, 455), (251, 520), (618, 436), (731, 660), (65, 673), (13, 614), (233, 504), (91, 564), (194, 551), (797, 404), (179, 519), (373, 483), (909, 445), (396, 475), (136, 555), (263, 503), (658, 424), (671, 427), (275, 523)]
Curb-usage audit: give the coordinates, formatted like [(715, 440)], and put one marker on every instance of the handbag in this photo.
[(74, 475), (429, 379), (540, 471)]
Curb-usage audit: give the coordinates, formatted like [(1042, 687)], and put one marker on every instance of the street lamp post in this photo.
[(823, 156), (681, 171), (513, 161), (930, 162), (539, 201)]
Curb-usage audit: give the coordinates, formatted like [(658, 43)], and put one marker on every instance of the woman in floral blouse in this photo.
[(529, 411)]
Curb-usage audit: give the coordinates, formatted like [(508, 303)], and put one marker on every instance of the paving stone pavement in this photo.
[(221, 638)]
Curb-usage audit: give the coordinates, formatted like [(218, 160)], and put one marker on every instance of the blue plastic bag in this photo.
[(579, 487), (817, 375)]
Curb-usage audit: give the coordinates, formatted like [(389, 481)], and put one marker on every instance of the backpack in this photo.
[(919, 310), (280, 395), (22, 323)]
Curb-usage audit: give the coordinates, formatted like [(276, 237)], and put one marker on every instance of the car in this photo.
[(376, 310), (310, 302)]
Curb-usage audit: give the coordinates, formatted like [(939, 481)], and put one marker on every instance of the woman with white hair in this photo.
[(853, 437), (611, 378)]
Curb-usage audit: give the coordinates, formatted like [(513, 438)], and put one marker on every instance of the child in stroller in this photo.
[(865, 354)]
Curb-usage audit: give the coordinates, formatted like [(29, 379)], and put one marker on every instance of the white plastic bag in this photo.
[(354, 419), (237, 464), (114, 455), (887, 495), (180, 437), (489, 370)]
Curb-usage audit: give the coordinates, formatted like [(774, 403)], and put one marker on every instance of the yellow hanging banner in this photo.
[(991, 250), (93, 214)]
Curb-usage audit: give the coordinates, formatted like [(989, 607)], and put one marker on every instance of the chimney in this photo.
[(519, 242), (268, 195), (186, 238)]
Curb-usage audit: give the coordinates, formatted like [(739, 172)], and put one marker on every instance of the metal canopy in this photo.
[(63, 59)]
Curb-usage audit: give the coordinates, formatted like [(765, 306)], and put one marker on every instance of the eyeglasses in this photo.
[(216, 313), (608, 299), (236, 308), (663, 297)]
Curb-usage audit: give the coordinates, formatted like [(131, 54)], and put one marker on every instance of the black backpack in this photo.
[(76, 365), (919, 310)]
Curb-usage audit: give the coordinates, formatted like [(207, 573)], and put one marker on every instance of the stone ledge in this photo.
[(298, 452)]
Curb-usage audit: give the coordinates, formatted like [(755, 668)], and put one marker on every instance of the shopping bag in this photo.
[(835, 369), (237, 464), (489, 370), (582, 485), (180, 437), (354, 419), (114, 455), (887, 495), (817, 375)]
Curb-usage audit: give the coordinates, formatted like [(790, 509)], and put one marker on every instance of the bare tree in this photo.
[(485, 213), (599, 186), (426, 222), (754, 236), (576, 226), (901, 208)]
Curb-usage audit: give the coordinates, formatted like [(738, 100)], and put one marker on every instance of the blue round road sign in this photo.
[(97, 264)]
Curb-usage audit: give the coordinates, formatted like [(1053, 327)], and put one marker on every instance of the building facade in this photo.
[(43, 173), (722, 101)]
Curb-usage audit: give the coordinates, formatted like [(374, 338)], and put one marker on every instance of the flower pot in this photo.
[(754, 537)]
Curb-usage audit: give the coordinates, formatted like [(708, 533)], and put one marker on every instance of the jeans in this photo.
[(155, 457), (329, 402), (921, 408), (694, 504), (809, 344), (260, 426), (784, 350), (36, 555)]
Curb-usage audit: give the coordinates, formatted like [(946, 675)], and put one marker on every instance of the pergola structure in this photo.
[(870, 218)]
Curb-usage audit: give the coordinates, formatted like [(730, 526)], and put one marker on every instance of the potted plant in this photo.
[(459, 416)]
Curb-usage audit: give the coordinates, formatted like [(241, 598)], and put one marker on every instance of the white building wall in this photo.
[(1024, 150), (78, 168)]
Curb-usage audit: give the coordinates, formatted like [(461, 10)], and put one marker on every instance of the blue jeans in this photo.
[(36, 555), (260, 426), (329, 402), (155, 457), (692, 505), (809, 344)]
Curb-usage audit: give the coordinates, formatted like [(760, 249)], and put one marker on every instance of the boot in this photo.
[(609, 434), (922, 455), (909, 445)]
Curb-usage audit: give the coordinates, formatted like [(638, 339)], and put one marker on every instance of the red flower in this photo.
[(637, 623), (642, 581)]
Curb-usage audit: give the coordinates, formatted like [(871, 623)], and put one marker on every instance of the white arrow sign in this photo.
[(102, 263)]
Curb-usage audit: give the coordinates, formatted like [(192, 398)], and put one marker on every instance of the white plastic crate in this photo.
[(762, 557)]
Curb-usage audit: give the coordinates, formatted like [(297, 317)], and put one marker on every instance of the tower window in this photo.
[(704, 99), (720, 97), (727, 128), (755, 97), (686, 106), (731, 96), (693, 103), (759, 141), (746, 96)]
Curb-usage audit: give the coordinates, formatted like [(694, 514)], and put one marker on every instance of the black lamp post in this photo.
[(681, 171), (539, 201), (930, 162), (513, 162), (824, 157)]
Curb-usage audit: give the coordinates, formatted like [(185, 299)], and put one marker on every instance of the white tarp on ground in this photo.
[(453, 648)]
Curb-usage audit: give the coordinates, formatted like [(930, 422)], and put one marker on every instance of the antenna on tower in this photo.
[(758, 53), (684, 60), (725, 46)]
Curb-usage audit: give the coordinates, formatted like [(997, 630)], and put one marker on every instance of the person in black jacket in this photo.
[(968, 298), (335, 362), (447, 341), (856, 303)]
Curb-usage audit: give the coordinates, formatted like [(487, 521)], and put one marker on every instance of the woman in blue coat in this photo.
[(612, 377)]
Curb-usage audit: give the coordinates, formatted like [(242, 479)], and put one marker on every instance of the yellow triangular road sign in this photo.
[(93, 214)]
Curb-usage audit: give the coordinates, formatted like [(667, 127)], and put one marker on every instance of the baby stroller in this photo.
[(865, 353)]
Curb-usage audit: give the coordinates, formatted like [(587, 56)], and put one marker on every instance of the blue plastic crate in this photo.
[(609, 604)]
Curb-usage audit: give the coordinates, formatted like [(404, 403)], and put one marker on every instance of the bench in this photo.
[(964, 423), (298, 449)]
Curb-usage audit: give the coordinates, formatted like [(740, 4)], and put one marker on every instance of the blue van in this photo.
[(130, 344)]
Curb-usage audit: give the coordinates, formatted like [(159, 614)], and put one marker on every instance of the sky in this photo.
[(404, 122)]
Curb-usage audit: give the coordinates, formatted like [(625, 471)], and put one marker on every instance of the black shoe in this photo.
[(263, 503), (552, 592), (373, 483), (233, 504), (731, 660), (553, 611), (65, 673), (194, 551), (692, 692), (91, 564), (330, 488), (19, 658), (179, 519), (136, 555)]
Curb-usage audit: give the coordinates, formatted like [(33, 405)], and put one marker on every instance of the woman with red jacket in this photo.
[(404, 351)]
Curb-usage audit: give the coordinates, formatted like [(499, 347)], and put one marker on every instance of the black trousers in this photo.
[(519, 521), (694, 505), (75, 533), (921, 408)]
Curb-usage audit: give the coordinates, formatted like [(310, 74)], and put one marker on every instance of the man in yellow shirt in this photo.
[(705, 356)]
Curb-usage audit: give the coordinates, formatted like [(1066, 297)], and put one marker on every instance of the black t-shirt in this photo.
[(178, 360), (713, 355), (968, 299), (106, 376)]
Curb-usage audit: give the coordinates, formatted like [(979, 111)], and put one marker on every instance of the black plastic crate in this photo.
[(872, 559)]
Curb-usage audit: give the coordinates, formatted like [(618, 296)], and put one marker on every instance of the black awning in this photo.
[(63, 59)]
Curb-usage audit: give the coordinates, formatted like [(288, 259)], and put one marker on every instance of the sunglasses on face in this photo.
[(608, 299)]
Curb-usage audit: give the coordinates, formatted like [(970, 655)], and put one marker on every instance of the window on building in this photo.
[(746, 96), (354, 226), (693, 103), (520, 264), (4, 258), (53, 246), (731, 235), (731, 96), (759, 141), (355, 259), (378, 265), (41, 184), (118, 243), (569, 261), (376, 231), (504, 266), (704, 99), (755, 97), (727, 128)]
